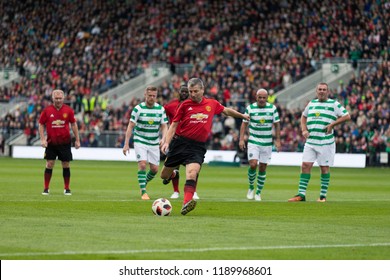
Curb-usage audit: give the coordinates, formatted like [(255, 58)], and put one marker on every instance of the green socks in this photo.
[(142, 180), (303, 182), (251, 177), (150, 176), (325, 178), (260, 182)]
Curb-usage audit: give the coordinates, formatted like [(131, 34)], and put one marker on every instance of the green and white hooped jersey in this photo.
[(319, 115), (260, 123), (148, 121)]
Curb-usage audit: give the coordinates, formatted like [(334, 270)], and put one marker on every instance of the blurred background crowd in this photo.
[(88, 47)]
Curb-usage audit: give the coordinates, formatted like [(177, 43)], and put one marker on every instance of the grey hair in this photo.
[(260, 90), (195, 82)]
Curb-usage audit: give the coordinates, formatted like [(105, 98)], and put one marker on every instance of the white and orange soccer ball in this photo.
[(161, 207)]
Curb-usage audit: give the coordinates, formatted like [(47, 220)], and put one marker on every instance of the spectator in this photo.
[(92, 141), (31, 133), (229, 125), (217, 128), (231, 55)]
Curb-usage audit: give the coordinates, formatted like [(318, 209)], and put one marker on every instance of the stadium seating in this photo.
[(268, 44)]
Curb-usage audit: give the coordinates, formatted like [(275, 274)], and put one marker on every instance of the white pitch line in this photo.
[(190, 250)]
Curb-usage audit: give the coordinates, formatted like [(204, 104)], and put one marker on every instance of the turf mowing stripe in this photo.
[(203, 199), (192, 250)]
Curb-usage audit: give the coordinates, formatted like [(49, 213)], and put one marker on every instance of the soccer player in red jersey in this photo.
[(56, 118), (186, 143), (171, 107), (170, 110)]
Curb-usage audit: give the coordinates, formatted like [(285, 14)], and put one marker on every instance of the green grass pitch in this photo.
[(106, 219)]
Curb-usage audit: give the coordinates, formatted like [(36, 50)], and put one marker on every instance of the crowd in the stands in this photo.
[(234, 47)]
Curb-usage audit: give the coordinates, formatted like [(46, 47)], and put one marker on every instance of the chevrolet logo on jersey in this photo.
[(58, 123), (199, 116)]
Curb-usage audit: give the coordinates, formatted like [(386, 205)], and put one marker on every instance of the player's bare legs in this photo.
[(166, 172)]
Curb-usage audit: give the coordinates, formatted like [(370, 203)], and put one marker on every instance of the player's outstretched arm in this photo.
[(233, 113)]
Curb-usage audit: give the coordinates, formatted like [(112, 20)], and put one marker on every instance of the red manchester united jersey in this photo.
[(170, 109), (57, 124), (196, 119)]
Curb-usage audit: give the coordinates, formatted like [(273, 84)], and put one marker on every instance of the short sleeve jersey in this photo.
[(148, 121), (57, 124), (319, 115), (260, 123), (195, 119), (170, 109)]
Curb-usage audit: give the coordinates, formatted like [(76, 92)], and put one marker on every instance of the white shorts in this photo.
[(149, 153), (260, 153), (324, 155)]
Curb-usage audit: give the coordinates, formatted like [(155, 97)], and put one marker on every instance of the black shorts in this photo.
[(63, 152), (184, 151)]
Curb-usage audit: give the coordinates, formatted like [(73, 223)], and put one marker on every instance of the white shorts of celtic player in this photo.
[(261, 153), (149, 153), (324, 155)]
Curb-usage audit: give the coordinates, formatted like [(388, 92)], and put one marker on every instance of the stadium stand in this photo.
[(234, 47)]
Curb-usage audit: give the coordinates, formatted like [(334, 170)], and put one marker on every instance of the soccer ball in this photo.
[(161, 207)]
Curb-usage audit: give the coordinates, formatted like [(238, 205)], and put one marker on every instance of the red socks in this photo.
[(189, 189), (175, 183), (47, 177), (66, 175)]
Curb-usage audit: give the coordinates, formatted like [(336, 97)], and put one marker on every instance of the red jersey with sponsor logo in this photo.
[(57, 124), (196, 119), (170, 109)]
